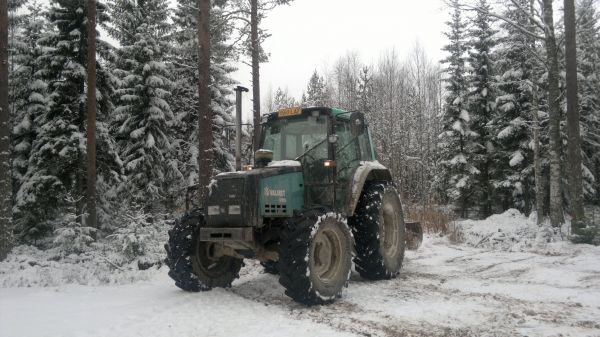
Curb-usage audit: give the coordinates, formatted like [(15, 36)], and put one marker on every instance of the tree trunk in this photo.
[(255, 46), (204, 100), (574, 149), (5, 167), (91, 114), (537, 160), (556, 205)]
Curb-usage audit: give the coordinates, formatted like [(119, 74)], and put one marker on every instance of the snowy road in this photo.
[(445, 290)]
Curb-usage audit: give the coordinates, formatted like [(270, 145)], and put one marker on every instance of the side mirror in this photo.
[(357, 124)]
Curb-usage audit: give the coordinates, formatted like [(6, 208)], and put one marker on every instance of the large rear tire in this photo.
[(192, 266), (379, 232), (315, 257)]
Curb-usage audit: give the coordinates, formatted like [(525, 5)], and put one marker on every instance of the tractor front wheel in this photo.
[(193, 264), (315, 257), (379, 233)]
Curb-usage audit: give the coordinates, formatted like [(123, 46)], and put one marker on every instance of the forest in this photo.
[(490, 127), (503, 122)]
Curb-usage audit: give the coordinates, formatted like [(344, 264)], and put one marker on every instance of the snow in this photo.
[(516, 158), (492, 279), (284, 163), (154, 308)]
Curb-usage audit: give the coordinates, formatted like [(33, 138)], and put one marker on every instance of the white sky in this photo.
[(312, 34)]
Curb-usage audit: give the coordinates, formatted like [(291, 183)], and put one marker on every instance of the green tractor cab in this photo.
[(315, 197)]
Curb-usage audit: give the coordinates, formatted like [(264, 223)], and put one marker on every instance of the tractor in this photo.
[(315, 201)]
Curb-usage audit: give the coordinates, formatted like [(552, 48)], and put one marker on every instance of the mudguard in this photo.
[(366, 171)]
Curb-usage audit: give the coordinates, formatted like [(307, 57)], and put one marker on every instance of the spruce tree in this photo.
[(365, 90), (513, 155), (282, 99), (455, 177), (481, 103), (316, 92), (28, 90), (57, 158), (143, 117)]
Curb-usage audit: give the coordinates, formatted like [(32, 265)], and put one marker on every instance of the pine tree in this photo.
[(481, 103), (455, 178), (143, 117), (588, 54), (185, 91)]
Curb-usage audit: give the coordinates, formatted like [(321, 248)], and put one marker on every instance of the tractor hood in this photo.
[(234, 197)]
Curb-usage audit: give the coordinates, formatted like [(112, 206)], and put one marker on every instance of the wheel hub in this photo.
[(389, 230), (326, 255)]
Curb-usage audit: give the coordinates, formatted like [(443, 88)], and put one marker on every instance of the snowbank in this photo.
[(514, 232), (28, 266), (132, 253)]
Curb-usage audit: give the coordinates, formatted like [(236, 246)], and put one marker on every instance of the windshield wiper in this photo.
[(311, 148)]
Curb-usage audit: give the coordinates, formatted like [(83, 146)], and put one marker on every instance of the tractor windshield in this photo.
[(293, 137)]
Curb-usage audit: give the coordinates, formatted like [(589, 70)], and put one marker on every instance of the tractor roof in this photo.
[(335, 112)]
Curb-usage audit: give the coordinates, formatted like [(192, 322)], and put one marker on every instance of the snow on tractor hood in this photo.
[(284, 163)]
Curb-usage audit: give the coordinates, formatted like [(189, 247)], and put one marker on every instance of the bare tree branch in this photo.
[(505, 19)]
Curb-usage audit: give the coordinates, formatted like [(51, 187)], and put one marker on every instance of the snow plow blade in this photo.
[(414, 235)]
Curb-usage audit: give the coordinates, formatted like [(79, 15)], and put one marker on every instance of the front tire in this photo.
[(179, 251), (379, 232), (190, 262), (315, 257)]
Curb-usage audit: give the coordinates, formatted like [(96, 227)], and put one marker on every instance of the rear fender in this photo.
[(366, 171)]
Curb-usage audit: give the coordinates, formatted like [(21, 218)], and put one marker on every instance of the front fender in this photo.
[(366, 171)]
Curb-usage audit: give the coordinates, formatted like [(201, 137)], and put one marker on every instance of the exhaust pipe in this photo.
[(238, 126)]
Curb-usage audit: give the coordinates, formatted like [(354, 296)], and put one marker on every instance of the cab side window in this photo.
[(365, 147), (348, 150)]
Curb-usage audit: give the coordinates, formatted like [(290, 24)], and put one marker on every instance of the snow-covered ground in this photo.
[(445, 289)]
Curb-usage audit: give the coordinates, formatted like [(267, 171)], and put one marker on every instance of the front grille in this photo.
[(271, 209), (225, 204)]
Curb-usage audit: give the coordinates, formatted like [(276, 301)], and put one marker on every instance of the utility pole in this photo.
[(5, 169), (91, 114), (238, 126), (255, 55)]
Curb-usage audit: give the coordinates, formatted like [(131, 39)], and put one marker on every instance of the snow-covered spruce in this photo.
[(315, 256), (187, 258), (379, 233)]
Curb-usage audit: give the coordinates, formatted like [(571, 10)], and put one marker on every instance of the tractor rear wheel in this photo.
[(192, 263), (315, 257), (379, 232)]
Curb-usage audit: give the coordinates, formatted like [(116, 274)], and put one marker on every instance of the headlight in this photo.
[(213, 210), (235, 209)]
